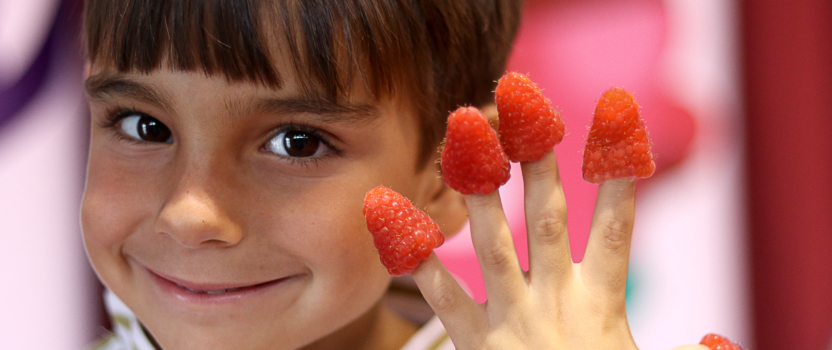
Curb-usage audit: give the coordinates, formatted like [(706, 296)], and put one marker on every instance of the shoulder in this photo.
[(127, 333)]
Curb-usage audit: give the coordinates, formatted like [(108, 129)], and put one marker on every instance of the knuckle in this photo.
[(444, 298), (496, 254), (550, 229), (615, 233)]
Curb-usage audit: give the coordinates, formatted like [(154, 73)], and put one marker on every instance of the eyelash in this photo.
[(113, 117), (311, 130)]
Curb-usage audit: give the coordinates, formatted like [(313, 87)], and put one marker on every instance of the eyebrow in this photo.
[(101, 87), (322, 110)]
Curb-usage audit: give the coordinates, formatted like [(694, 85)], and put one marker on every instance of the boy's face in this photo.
[(228, 215)]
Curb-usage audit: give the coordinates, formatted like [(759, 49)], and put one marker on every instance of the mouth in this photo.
[(211, 291)]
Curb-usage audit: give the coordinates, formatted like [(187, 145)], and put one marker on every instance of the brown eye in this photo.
[(146, 128), (296, 143)]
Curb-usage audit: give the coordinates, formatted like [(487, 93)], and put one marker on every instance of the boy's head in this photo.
[(232, 143)]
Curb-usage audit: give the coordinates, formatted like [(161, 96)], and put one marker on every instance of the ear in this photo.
[(446, 206), (443, 204), (490, 112)]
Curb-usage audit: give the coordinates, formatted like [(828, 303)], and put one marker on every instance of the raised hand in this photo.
[(557, 304)]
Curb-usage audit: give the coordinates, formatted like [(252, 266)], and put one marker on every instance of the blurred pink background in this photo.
[(688, 270)]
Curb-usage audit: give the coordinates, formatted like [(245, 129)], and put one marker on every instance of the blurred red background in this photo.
[(787, 83)]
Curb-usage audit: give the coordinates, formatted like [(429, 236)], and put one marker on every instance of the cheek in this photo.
[(337, 245), (111, 209), (336, 238)]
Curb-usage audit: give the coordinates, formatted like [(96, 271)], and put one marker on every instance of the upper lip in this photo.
[(207, 286)]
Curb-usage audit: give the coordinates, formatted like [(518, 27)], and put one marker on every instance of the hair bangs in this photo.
[(439, 54), (328, 43)]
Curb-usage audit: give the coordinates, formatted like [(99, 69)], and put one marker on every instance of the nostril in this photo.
[(215, 241)]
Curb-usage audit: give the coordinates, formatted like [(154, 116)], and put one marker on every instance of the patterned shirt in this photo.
[(129, 334)]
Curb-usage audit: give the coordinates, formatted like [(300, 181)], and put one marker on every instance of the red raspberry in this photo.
[(529, 125), (718, 342), (472, 159), (617, 145), (403, 234)]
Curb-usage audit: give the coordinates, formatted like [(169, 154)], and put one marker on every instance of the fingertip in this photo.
[(622, 186), (624, 181), (544, 169), (425, 267), (477, 201)]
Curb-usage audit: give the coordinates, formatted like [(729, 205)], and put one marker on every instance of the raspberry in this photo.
[(617, 145), (403, 234), (472, 159), (717, 342), (529, 125)]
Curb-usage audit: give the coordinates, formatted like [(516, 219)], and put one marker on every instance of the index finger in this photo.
[(458, 312)]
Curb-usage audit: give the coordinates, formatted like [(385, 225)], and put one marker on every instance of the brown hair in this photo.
[(441, 53)]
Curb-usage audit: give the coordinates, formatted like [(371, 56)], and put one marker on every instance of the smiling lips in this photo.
[(213, 289)]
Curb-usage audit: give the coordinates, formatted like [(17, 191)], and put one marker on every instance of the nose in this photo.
[(194, 220)]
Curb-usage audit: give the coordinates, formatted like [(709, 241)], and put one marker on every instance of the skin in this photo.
[(556, 304), (215, 205)]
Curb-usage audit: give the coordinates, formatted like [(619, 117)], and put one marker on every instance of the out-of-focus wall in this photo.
[(694, 226), (44, 296), (787, 69)]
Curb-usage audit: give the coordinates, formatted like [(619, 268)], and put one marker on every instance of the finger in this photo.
[(458, 312), (550, 262), (491, 236), (608, 250)]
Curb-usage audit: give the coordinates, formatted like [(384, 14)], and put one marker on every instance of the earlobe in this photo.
[(443, 205), (490, 112)]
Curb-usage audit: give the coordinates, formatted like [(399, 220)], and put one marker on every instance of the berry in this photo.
[(529, 125), (472, 159), (403, 234), (617, 145), (717, 342)]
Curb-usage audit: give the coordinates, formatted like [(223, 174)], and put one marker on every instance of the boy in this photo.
[(232, 143)]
